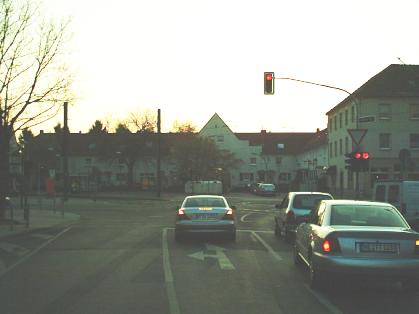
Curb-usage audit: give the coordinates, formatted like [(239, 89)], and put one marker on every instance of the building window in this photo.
[(336, 122), (331, 150), (340, 147), (352, 114), (284, 176), (414, 111), (340, 119), (414, 140), (346, 117), (278, 160), (384, 111), (346, 145), (253, 161), (385, 141), (220, 138), (246, 176), (330, 124), (336, 148)]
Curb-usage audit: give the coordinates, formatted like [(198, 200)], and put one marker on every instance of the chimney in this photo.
[(41, 131), (263, 131), (317, 130)]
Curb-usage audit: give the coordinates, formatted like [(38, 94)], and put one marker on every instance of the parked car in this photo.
[(404, 195), (266, 189), (253, 187), (291, 211), (205, 214), (369, 239)]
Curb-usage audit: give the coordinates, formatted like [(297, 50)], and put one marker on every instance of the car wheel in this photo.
[(288, 236), (315, 276), (297, 258), (277, 229)]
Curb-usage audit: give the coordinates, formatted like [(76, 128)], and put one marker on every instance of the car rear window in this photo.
[(365, 215), (308, 201), (267, 187), (204, 202)]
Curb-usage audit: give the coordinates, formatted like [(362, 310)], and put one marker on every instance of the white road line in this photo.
[(168, 276), (29, 255), (259, 231), (332, 308), (274, 254), (244, 216)]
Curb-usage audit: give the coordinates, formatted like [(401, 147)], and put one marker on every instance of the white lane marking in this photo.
[(244, 216), (29, 255), (168, 276), (222, 259), (274, 254), (13, 249), (41, 236), (258, 231), (253, 238), (332, 308)]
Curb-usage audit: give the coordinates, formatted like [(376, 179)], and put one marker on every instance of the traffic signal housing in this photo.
[(269, 83), (357, 161)]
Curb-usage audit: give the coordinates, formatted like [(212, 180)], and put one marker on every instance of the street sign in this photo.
[(357, 135)]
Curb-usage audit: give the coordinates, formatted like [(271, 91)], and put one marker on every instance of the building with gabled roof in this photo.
[(386, 109), (265, 156)]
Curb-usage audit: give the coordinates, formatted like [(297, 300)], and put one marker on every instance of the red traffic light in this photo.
[(365, 155), (357, 155), (269, 83)]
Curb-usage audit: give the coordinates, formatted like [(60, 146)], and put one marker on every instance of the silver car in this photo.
[(205, 214), (292, 209), (358, 238)]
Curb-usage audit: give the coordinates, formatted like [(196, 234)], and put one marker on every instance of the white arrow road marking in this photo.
[(13, 249), (222, 259)]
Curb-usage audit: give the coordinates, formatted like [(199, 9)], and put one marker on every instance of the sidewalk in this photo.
[(38, 218)]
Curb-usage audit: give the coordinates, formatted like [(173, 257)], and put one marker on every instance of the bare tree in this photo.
[(183, 127), (33, 78), (142, 122)]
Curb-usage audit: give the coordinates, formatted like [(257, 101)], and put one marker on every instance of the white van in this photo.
[(404, 195)]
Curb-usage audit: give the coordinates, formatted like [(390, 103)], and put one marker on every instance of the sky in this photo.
[(192, 58)]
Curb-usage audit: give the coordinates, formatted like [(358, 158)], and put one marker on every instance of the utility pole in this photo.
[(65, 153), (158, 152)]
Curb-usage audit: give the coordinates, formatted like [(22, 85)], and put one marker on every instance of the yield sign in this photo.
[(357, 135)]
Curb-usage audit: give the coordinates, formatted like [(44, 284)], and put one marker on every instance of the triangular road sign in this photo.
[(357, 135)]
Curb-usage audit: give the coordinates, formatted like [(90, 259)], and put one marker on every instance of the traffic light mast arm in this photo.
[(328, 86)]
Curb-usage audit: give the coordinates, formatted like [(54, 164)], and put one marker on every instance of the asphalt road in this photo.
[(121, 257)]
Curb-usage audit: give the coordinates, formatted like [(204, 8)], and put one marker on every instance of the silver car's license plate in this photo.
[(206, 216), (377, 247)]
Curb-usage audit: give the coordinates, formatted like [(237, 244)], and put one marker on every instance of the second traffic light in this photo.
[(269, 83), (357, 161)]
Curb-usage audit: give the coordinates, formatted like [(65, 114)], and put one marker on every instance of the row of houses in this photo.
[(385, 108)]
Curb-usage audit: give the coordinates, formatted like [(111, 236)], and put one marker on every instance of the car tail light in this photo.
[(229, 214), (290, 218), (417, 247), (181, 214), (330, 245)]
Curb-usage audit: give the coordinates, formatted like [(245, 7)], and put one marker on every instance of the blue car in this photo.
[(210, 214)]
